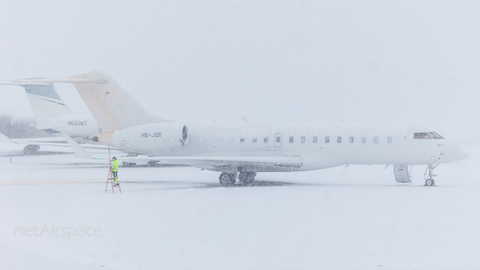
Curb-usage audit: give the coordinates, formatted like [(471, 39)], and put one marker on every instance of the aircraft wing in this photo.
[(5, 139), (49, 141), (31, 146), (215, 163), (227, 163)]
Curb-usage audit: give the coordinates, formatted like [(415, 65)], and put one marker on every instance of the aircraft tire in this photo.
[(31, 149), (227, 179), (151, 163), (246, 178), (429, 182)]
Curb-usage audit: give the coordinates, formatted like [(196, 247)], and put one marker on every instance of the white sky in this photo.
[(270, 61)]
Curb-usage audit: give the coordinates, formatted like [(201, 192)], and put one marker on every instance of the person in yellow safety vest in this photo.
[(115, 170)]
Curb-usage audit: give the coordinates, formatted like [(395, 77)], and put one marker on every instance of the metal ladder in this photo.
[(111, 180)]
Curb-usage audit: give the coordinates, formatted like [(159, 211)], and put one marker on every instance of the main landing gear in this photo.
[(429, 179), (227, 179), (245, 178), (31, 149)]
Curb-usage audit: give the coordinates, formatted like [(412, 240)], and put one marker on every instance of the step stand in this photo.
[(111, 180)]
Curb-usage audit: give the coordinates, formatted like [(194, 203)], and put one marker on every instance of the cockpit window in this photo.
[(427, 135), (421, 135), (435, 135)]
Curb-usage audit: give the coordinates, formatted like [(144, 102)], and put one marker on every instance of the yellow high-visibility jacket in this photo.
[(115, 166)]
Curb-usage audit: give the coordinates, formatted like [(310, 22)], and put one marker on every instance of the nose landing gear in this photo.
[(429, 179)]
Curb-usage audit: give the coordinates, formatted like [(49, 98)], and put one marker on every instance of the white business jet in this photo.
[(242, 150)]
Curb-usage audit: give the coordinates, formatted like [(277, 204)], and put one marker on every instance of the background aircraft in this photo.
[(53, 115)]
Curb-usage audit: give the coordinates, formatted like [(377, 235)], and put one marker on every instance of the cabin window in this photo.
[(364, 139), (279, 139), (302, 139), (435, 135), (351, 139), (421, 135), (254, 140), (265, 140), (389, 139), (242, 140), (291, 139), (315, 139), (375, 139), (339, 139), (327, 139)]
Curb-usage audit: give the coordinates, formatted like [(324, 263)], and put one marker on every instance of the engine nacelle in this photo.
[(148, 138)]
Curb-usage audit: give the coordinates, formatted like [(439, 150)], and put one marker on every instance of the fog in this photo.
[(269, 61), (258, 61)]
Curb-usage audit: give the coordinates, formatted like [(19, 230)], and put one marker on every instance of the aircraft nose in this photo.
[(462, 153), (453, 152), (458, 153)]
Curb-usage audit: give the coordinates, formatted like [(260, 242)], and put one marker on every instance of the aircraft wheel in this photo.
[(227, 179), (31, 149), (246, 178), (151, 163), (429, 182)]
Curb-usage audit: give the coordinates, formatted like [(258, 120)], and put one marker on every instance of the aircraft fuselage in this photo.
[(319, 145)]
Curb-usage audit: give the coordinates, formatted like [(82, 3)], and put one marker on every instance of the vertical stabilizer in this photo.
[(44, 101), (110, 105)]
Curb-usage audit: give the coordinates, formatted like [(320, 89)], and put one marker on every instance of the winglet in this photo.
[(79, 151)]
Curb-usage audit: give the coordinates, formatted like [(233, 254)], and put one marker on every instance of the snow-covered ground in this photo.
[(356, 217)]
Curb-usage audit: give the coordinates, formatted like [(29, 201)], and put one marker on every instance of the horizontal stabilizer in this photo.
[(20, 84), (61, 80)]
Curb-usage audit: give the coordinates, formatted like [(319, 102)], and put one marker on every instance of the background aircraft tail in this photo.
[(110, 105), (44, 101)]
